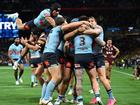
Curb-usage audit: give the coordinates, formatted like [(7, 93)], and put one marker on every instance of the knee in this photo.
[(66, 80)]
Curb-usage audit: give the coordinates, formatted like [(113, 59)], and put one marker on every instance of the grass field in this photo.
[(125, 88)]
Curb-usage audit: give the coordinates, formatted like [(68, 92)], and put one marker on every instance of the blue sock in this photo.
[(43, 90), (49, 90), (33, 78), (110, 94)]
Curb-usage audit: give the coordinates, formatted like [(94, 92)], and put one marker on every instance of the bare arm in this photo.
[(95, 31), (9, 55), (117, 51), (72, 26), (100, 41), (70, 34), (50, 21)]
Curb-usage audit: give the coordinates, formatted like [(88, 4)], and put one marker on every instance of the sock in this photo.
[(97, 94), (49, 90), (61, 97), (79, 98), (33, 78), (43, 90), (110, 94), (20, 73), (16, 74)]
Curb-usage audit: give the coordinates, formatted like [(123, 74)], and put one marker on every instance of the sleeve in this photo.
[(46, 13), (10, 48)]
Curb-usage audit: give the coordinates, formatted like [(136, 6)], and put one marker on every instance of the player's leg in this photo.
[(21, 68), (55, 72), (107, 69), (102, 76), (25, 26), (44, 86), (64, 84), (33, 79), (56, 75), (16, 76), (79, 79), (71, 85), (95, 86), (39, 71)]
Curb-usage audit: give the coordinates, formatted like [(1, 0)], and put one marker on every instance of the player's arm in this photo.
[(9, 54), (72, 26), (100, 42), (104, 52), (117, 51), (50, 20), (28, 45), (93, 31), (70, 34)]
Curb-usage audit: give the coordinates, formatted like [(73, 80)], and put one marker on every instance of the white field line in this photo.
[(123, 73)]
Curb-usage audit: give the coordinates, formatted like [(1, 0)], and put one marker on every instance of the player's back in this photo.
[(83, 44), (53, 40)]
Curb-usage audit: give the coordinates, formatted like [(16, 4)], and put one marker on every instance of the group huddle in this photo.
[(66, 51)]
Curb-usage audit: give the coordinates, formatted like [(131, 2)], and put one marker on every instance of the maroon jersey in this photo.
[(109, 51)]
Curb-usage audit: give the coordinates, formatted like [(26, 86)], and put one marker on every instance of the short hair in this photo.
[(59, 20), (92, 18), (75, 20), (36, 31), (83, 17), (55, 6)]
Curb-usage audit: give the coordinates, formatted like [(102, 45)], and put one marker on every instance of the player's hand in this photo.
[(113, 56), (15, 66), (23, 41), (86, 22), (37, 47)]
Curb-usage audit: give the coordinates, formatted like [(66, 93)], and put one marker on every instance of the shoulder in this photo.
[(59, 15), (46, 12)]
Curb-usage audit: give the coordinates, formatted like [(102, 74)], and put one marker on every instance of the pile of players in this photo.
[(67, 50)]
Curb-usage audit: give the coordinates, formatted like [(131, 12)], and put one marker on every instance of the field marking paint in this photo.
[(10, 86), (123, 73)]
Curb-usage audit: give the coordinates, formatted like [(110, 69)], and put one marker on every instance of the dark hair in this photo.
[(36, 31), (55, 6), (59, 20), (83, 17)]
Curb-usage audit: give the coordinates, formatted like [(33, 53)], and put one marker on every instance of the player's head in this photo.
[(60, 21), (92, 21), (83, 18), (55, 9), (74, 20), (17, 41), (109, 41)]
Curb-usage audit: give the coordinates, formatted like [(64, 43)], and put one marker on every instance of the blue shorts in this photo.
[(49, 59), (34, 62), (99, 60), (83, 61)]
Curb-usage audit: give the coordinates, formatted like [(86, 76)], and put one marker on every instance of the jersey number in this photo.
[(82, 41)]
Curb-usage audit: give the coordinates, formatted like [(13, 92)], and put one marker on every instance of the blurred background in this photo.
[(119, 18)]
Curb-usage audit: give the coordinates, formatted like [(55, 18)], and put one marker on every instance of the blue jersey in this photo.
[(97, 48), (61, 46), (34, 54), (40, 21), (83, 44), (15, 51), (53, 40)]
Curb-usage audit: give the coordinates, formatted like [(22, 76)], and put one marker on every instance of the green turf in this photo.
[(126, 89)]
